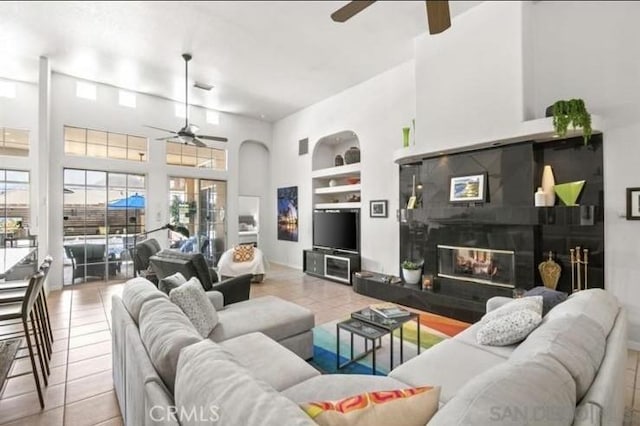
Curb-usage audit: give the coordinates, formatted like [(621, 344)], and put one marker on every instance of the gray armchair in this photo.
[(142, 252), (168, 262)]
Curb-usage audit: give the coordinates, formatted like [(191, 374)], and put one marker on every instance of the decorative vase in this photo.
[(405, 136), (339, 161), (352, 155), (548, 184), (569, 192), (539, 198), (333, 183), (412, 276)]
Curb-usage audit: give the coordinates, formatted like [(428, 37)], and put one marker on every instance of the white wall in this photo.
[(589, 50), (106, 114), (376, 110), (254, 180), (469, 78)]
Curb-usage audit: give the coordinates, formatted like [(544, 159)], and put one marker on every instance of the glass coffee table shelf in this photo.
[(372, 326)]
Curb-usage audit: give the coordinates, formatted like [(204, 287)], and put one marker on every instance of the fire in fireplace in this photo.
[(484, 266)]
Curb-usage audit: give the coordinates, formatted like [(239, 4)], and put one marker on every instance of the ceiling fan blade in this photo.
[(438, 15), (160, 128), (350, 9), (213, 138), (197, 142), (166, 138)]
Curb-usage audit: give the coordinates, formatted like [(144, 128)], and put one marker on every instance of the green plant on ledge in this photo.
[(410, 266), (572, 112)]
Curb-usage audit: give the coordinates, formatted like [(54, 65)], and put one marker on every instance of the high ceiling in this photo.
[(265, 59)]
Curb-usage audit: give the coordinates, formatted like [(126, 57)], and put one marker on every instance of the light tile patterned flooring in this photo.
[(80, 390)]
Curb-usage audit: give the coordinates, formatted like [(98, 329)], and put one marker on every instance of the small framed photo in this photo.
[(633, 203), (378, 208), (468, 189)]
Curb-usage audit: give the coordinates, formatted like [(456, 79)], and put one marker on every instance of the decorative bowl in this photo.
[(569, 192)]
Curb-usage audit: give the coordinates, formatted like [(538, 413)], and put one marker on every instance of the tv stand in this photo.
[(330, 264)]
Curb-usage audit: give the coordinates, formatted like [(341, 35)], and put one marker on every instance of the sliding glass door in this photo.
[(197, 207), (103, 213)]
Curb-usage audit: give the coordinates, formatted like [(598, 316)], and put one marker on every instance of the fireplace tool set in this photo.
[(579, 258)]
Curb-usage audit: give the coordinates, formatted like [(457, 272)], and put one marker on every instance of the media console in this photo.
[(332, 265)]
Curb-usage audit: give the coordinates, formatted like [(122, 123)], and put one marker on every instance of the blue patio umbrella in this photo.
[(132, 202)]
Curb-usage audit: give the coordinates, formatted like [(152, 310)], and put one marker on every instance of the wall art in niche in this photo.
[(378, 208), (468, 188), (288, 213), (633, 203)]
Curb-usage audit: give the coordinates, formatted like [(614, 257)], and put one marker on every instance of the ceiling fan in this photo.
[(437, 13), (188, 134)]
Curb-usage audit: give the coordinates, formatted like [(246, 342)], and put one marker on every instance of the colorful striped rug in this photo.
[(433, 330)]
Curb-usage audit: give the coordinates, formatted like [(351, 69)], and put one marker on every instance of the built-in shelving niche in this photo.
[(335, 187)]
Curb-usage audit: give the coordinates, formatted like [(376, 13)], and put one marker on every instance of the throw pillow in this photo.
[(243, 253), (524, 303), (508, 329), (167, 284), (550, 298), (195, 304), (407, 407)]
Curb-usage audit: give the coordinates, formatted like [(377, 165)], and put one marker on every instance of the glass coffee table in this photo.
[(372, 326)]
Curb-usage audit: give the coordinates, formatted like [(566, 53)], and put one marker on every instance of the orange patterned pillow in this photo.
[(243, 253), (405, 407)]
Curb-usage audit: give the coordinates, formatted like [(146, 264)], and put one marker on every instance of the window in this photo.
[(99, 144), (7, 89), (127, 99), (179, 154), (14, 142), (86, 90), (14, 203)]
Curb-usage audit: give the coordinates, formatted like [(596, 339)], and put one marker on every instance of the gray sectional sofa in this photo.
[(570, 370)]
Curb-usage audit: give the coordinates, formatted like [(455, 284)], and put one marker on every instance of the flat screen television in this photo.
[(337, 230)]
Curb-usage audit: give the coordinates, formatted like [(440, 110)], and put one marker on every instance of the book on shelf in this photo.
[(389, 310)]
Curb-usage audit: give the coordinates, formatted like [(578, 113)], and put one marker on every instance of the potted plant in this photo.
[(572, 112), (411, 271)]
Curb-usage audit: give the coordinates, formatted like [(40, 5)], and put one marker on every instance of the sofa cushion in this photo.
[(524, 303), (165, 330), (536, 391), (596, 303), (338, 386), (167, 284), (508, 329), (400, 407), (427, 368), (577, 343), (269, 361), (227, 393), (270, 315), (195, 304), (469, 337), (136, 292), (550, 298)]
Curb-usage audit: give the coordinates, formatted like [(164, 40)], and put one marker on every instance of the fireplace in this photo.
[(478, 265)]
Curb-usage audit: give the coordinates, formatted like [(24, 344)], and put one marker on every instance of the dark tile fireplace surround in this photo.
[(507, 222)]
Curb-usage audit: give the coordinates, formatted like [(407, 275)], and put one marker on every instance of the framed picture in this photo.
[(633, 203), (468, 189), (288, 213), (378, 208)]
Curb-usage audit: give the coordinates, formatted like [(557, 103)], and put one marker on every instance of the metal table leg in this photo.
[(338, 347), (401, 344)]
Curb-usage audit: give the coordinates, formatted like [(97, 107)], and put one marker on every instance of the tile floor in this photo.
[(80, 390)]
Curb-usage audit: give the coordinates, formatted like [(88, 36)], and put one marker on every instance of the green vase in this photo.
[(405, 136)]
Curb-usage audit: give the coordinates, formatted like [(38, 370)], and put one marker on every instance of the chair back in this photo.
[(35, 285), (142, 252)]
